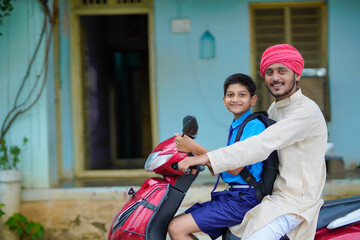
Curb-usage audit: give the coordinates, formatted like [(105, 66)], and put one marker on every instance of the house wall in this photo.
[(67, 148), (187, 84), (21, 32), (344, 78)]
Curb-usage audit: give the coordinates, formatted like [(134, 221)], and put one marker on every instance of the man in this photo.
[(300, 136)]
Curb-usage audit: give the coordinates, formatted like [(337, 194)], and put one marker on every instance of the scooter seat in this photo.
[(333, 209)]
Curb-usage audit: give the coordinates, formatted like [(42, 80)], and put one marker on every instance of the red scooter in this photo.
[(147, 214)]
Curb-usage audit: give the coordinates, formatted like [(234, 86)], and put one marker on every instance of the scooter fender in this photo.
[(349, 232), (132, 219), (147, 214)]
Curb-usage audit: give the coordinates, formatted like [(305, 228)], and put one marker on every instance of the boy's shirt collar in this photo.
[(240, 120)]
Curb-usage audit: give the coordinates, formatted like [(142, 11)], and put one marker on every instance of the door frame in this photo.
[(78, 9)]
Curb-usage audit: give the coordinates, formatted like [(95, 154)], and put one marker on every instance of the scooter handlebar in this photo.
[(199, 168)]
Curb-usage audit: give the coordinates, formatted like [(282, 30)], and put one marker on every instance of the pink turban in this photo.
[(284, 54)]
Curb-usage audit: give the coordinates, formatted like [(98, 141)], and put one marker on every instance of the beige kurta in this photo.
[(300, 136)]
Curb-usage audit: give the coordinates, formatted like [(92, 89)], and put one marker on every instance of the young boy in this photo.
[(226, 208)]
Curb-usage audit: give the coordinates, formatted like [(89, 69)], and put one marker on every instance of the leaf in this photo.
[(11, 222), (15, 161), (39, 233), (23, 218), (15, 150), (1, 211), (19, 230), (29, 228), (24, 227)]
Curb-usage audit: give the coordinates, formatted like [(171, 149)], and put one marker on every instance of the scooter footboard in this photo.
[(158, 225)]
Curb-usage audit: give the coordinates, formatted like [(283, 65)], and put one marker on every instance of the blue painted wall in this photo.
[(344, 78), (21, 31), (185, 83), (188, 84), (65, 92)]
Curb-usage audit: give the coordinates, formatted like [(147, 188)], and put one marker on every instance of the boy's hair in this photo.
[(242, 79)]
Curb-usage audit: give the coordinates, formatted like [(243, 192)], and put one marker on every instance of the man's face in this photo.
[(281, 81)]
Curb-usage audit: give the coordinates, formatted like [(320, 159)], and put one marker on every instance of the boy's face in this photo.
[(281, 81), (237, 99)]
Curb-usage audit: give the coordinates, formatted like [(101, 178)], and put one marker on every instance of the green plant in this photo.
[(9, 158), (24, 227), (5, 8), (1, 211), (32, 96)]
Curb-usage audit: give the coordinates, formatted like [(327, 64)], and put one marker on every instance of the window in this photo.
[(303, 25)]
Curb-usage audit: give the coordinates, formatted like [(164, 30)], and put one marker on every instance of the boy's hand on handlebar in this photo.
[(187, 162), (184, 143)]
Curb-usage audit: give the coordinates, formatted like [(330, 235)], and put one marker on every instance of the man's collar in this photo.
[(287, 101)]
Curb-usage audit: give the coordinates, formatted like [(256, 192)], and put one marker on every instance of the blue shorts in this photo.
[(226, 209)]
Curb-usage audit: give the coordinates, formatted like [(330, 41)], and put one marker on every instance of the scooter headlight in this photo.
[(155, 160)]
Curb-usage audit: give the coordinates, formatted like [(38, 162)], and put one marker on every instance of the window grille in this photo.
[(304, 27), (111, 3)]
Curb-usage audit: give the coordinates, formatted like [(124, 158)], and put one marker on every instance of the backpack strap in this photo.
[(248, 119), (245, 173)]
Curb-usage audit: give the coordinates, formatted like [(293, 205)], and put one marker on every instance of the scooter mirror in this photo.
[(190, 126)]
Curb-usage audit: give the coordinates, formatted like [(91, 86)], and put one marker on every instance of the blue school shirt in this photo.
[(254, 127)]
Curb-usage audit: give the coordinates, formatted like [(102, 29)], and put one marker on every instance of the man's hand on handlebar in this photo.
[(187, 162)]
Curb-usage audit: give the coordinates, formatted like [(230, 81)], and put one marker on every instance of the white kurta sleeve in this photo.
[(294, 128)]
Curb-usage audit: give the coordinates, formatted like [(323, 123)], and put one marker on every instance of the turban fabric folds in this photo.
[(284, 54)]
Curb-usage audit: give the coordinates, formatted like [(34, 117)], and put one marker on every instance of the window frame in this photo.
[(287, 6)]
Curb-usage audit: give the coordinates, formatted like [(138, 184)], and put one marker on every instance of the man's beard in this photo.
[(278, 95)]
